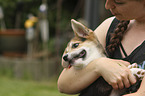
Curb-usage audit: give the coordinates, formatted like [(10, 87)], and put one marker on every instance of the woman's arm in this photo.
[(72, 81), (141, 90), (115, 72)]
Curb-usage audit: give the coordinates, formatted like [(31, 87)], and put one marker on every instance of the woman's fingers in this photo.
[(122, 79), (127, 79), (132, 79), (116, 73), (120, 83), (114, 85), (126, 82)]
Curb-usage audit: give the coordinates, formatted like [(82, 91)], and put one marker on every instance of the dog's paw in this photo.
[(138, 73), (134, 65)]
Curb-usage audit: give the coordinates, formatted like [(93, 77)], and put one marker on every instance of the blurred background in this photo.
[(33, 36)]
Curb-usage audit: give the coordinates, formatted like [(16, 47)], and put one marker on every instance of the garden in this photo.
[(31, 48), (33, 36)]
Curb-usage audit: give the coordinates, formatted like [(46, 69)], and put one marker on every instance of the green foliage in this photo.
[(13, 8), (51, 45), (6, 3)]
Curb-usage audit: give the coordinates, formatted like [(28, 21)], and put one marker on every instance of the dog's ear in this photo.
[(79, 29)]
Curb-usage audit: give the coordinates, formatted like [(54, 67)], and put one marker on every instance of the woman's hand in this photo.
[(115, 72)]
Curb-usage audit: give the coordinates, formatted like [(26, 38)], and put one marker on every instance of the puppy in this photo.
[(83, 49)]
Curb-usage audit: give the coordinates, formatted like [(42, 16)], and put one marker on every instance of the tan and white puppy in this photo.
[(83, 49)]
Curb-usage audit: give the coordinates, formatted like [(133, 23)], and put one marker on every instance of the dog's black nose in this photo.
[(65, 57)]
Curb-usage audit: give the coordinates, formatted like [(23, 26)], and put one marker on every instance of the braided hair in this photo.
[(117, 36)]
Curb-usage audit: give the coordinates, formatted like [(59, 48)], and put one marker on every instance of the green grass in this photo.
[(14, 87)]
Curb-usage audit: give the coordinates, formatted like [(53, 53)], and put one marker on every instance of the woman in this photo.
[(122, 40)]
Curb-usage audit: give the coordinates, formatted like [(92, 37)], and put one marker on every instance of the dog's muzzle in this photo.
[(71, 60)]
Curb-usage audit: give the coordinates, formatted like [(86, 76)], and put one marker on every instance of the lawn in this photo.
[(14, 87)]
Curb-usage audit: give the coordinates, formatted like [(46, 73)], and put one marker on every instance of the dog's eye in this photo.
[(75, 45)]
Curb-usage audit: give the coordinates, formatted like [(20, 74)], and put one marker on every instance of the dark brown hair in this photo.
[(117, 36)]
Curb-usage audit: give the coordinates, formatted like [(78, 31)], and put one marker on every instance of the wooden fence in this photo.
[(29, 69)]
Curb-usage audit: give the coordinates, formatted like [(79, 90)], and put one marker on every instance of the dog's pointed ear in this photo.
[(79, 29)]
